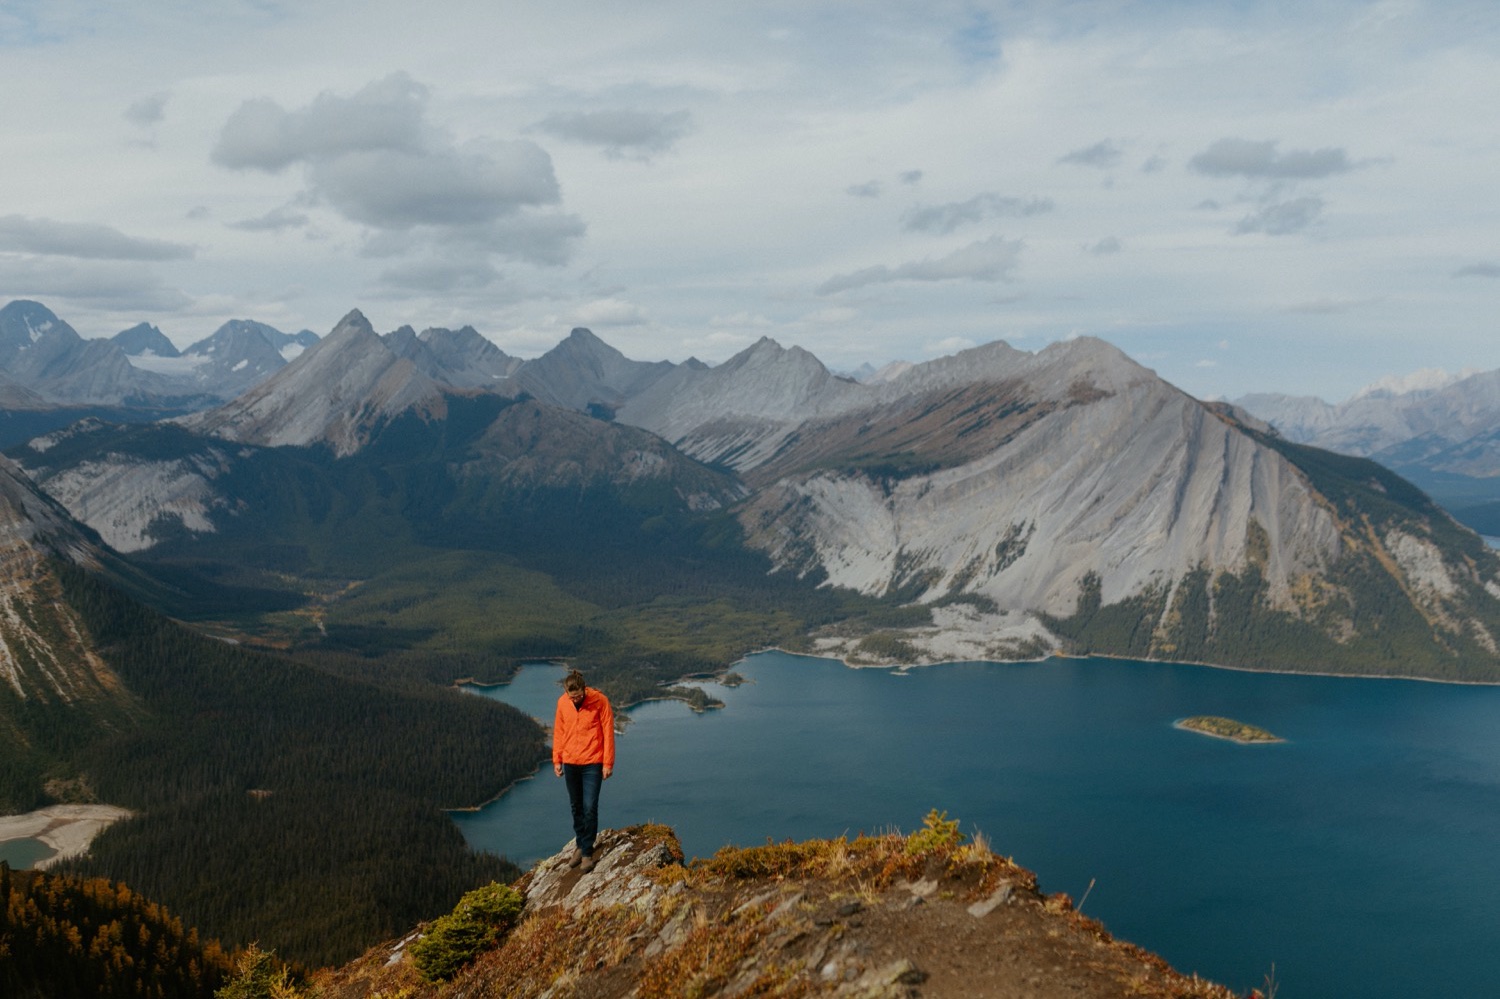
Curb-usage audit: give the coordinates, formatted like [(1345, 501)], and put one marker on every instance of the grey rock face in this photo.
[(585, 373), (334, 393)]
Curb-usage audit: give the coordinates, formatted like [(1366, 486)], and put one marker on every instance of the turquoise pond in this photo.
[(21, 854), (1359, 857)]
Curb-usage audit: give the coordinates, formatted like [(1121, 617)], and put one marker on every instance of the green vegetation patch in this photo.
[(480, 919), (1227, 728)]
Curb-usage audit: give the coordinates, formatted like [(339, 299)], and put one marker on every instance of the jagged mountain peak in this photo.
[(24, 322), (336, 392), (354, 324), (585, 373), (144, 338), (583, 343)]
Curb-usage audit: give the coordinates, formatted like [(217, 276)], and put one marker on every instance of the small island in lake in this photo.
[(1226, 728)]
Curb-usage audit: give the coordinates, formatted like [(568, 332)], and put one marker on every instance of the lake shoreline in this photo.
[(67, 829), (902, 667)]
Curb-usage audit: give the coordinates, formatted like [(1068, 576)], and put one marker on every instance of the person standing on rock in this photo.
[(583, 754)]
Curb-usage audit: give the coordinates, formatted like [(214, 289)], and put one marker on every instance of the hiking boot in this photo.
[(575, 858), (587, 863)]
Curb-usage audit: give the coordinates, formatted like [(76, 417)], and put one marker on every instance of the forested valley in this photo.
[(281, 803)]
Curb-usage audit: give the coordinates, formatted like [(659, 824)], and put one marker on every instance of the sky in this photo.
[(1244, 195)]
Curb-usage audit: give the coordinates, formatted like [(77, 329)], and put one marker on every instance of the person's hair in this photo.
[(573, 681)]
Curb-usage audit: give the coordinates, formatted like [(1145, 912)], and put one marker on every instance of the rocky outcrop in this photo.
[(875, 917)]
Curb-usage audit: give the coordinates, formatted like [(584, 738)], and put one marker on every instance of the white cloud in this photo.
[(609, 312), (949, 345), (791, 162), (992, 259)]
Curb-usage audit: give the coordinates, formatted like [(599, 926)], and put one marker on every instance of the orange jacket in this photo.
[(585, 734)]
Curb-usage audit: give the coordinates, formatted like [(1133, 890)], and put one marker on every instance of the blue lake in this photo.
[(1360, 857)]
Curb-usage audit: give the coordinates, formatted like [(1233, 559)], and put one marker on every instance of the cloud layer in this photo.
[(993, 259), (868, 181), (374, 159)]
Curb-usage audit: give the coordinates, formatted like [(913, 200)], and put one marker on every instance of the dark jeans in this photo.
[(583, 780)]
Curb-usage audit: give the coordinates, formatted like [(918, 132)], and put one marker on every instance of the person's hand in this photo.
[(557, 769), (608, 771)]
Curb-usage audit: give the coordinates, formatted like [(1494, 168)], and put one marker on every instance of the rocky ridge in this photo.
[(45, 655), (875, 917)]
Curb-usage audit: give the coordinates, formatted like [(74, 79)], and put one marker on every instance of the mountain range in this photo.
[(1019, 503), (243, 619), (1441, 432)]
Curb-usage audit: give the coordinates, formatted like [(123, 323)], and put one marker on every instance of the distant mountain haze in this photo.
[(1442, 432)]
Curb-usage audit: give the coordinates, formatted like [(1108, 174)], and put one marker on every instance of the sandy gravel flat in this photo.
[(68, 829)]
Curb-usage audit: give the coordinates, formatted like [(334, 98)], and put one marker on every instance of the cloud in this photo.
[(1485, 269), (384, 115), (373, 159), (1101, 155), (610, 312), (1259, 160), (397, 189), (946, 218), (127, 286), (273, 221), (621, 133), (20, 234), (949, 346), (441, 276), (536, 237), (1282, 218), (869, 189), (990, 259), (909, 177), (1106, 246), (1326, 306), (147, 111)]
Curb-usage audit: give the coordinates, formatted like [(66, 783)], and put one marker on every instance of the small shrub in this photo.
[(938, 832), (480, 919), (258, 975)]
